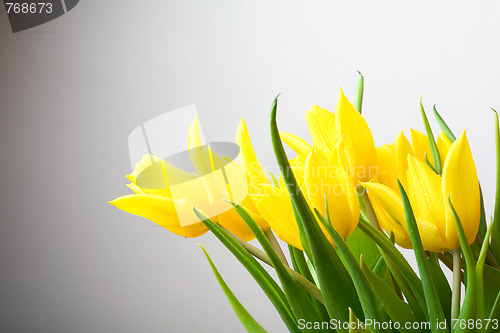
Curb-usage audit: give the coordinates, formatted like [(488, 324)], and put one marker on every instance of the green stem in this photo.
[(301, 262), (276, 246), (455, 298), (365, 200)]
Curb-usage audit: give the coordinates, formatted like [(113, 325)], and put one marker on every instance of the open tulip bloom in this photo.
[(343, 206)]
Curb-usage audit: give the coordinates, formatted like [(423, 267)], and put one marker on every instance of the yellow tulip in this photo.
[(317, 179), (342, 153), (327, 129), (275, 206), (329, 180), (157, 204), (361, 157), (428, 193), (172, 206)]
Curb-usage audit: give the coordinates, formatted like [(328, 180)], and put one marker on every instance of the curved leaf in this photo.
[(468, 310), (340, 295), (434, 308), (261, 276), (250, 324), (397, 310), (301, 304)]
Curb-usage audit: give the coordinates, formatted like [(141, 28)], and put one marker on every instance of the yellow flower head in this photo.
[(358, 156), (166, 194), (427, 191), (343, 152), (318, 180)]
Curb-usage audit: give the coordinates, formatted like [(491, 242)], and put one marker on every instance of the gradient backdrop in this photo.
[(71, 91)]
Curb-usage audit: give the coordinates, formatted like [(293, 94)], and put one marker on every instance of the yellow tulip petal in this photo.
[(160, 210), (254, 170), (390, 200), (146, 161), (426, 198), (386, 162), (393, 212), (322, 181), (297, 164), (431, 236), (359, 144), (347, 183), (190, 231), (444, 145), (321, 125), (297, 144), (198, 154), (235, 224), (231, 220), (460, 182), (403, 149), (155, 176), (276, 208), (135, 188), (421, 146), (389, 224), (425, 191)]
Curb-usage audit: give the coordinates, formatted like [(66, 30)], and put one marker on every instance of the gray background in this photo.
[(71, 91)]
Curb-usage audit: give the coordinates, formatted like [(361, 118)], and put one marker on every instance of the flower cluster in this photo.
[(341, 204), (342, 158)]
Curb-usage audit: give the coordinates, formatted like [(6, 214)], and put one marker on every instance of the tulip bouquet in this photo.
[(343, 206)]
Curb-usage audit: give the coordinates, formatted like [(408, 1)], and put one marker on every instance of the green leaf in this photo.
[(495, 235), (491, 278), (355, 325), (312, 270), (301, 304), (442, 287), (426, 160), (397, 310), (250, 324), (379, 267), (420, 310), (468, 310), (365, 293), (300, 265), (358, 99), (480, 275), (401, 270), (340, 295), (435, 311), (382, 271), (494, 315), (276, 183), (361, 244), (261, 276), (444, 126), (432, 141), (482, 219)]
